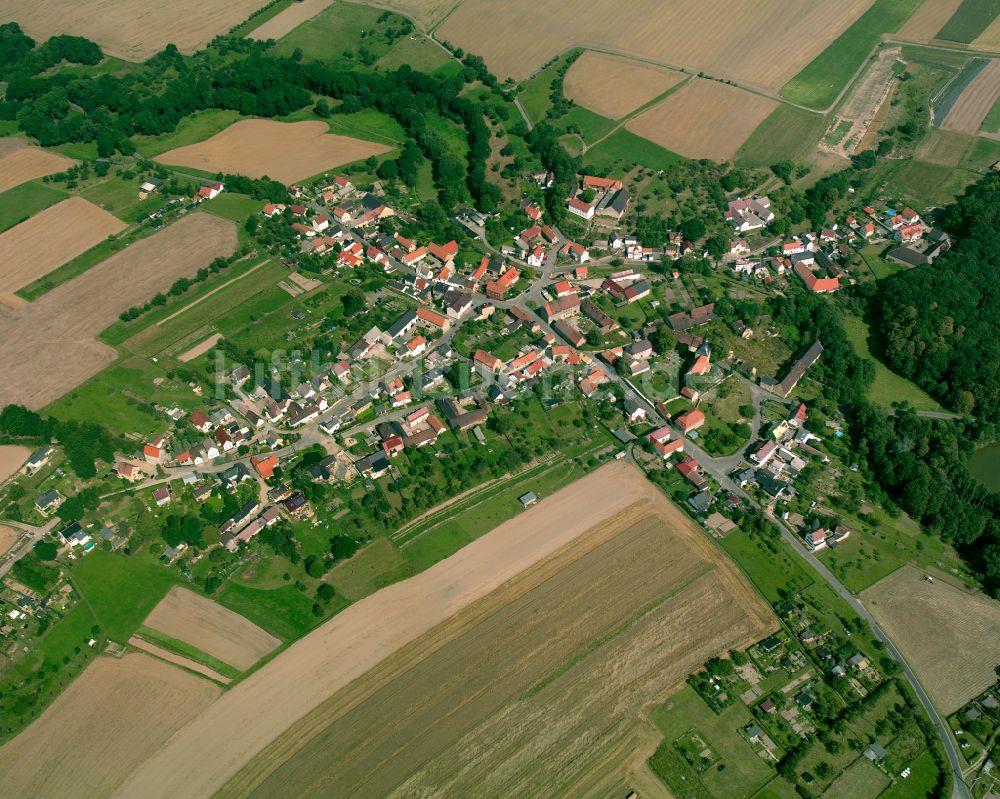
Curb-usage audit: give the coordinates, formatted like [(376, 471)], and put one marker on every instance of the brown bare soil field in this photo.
[(284, 151), (51, 238), (951, 638), (128, 29), (972, 106), (989, 39), (215, 630), (704, 119), (110, 719), (613, 86), (12, 457), (23, 163), (10, 144), (177, 660), (774, 41), (200, 348), (8, 537), (288, 20), (924, 25), (547, 561), (48, 346)]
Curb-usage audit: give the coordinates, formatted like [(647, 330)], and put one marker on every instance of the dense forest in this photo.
[(940, 323)]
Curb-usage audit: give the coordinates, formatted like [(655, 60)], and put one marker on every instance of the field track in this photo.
[(19, 162), (130, 29), (613, 86), (48, 347), (245, 721), (972, 106)]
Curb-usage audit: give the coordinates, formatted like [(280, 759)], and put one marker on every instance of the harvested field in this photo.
[(20, 162), (972, 106), (287, 20), (8, 537), (480, 625), (51, 238), (200, 348), (215, 630), (12, 457), (284, 151), (110, 719), (989, 39), (48, 346), (856, 114), (704, 119), (126, 29), (950, 638), (924, 25), (774, 41), (613, 86), (177, 660)]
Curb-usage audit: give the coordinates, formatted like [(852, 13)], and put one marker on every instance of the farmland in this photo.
[(128, 31), (283, 151), (970, 20), (387, 637), (12, 457), (704, 119), (975, 102), (788, 132), (613, 86), (774, 42), (990, 38), (20, 163), (129, 706), (48, 346), (950, 638), (51, 238), (211, 628), (929, 19)]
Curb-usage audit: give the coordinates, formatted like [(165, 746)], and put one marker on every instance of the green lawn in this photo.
[(415, 51), (379, 564), (368, 124), (120, 197), (919, 784), (284, 612), (921, 184), (983, 154), (591, 126), (622, 149), (888, 386), (333, 31), (773, 573), (24, 201), (197, 127), (230, 205), (818, 85), (861, 781), (970, 20), (787, 133), (536, 91), (121, 590)]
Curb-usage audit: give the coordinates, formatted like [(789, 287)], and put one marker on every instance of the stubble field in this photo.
[(213, 629), (116, 714), (989, 39), (128, 29), (924, 25), (51, 238), (20, 162), (284, 151), (47, 347), (950, 638), (760, 45), (613, 86), (972, 106), (604, 594), (703, 119)]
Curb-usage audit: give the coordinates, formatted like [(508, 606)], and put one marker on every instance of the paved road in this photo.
[(29, 535)]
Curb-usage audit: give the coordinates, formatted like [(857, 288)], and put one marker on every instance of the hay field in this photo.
[(703, 119), (284, 151), (48, 347), (613, 86), (111, 718), (19, 163), (128, 29), (973, 104), (51, 238), (206, 625), (924, 25), (762, 45), (549, 564), (950, 638), (12, 457)]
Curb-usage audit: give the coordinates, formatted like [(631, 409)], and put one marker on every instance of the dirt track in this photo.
[(21, 162), (101, 727), (48, 346), (215, 630), (235, 729)]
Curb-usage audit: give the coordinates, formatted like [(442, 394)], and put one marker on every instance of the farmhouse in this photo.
[(691, 420), (795, 374), (580, 208), (817, 285), (753, 214), (497, 289)]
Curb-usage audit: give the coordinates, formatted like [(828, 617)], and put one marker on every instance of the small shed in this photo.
[(529, 499)]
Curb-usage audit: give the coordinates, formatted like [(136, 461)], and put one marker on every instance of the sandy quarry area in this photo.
[(206, 625), (48, 346), (20, 162), (130, 29), (12, 458), (285, 151), (112, 717), (613, 86), (50, 239), (232, 732), (924, 25), (850, 127), (949, 637), (972, 106), (704, 119), (762, 45)]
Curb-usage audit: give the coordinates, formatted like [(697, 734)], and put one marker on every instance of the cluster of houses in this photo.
[(597, 196)]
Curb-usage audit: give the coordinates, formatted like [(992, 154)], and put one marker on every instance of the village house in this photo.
[(690, 421)]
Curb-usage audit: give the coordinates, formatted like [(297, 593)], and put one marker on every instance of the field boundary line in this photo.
[(205, 296)]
